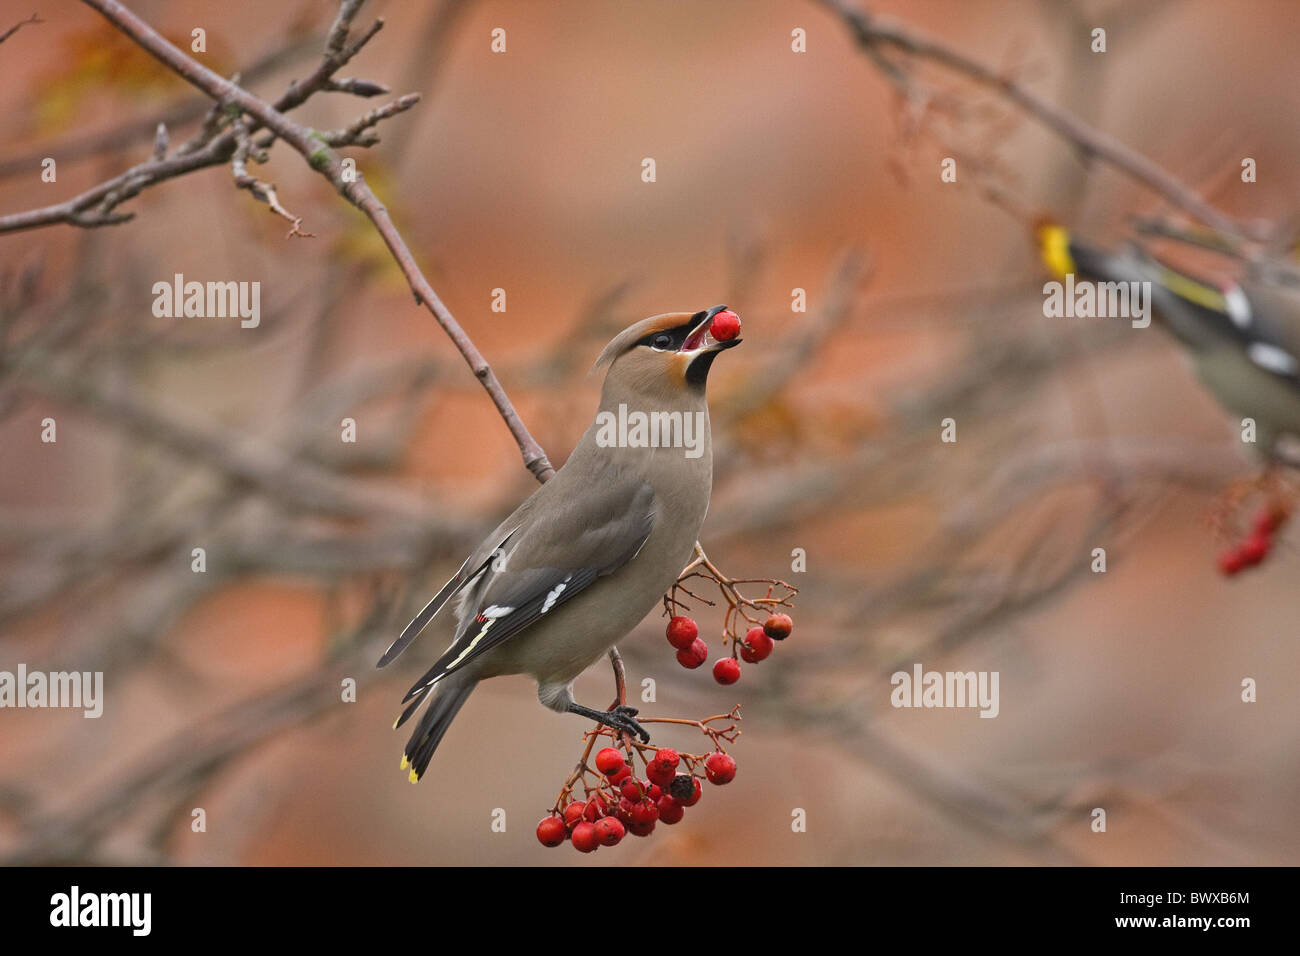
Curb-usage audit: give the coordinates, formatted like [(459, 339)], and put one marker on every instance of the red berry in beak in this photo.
[(725, 326)]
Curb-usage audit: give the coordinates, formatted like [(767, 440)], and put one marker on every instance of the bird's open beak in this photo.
[(700, 340)]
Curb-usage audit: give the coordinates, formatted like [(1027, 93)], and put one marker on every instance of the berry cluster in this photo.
[(616, 802), (759, 619), (684, 635), (1257, 545)]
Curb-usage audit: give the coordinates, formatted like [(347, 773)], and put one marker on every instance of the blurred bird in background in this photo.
[(582, 560), (1243, 338)]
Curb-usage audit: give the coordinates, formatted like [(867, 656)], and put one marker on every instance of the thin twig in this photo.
[(872, 32), (18, 26)]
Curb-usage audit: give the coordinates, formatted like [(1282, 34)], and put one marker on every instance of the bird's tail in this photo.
[(447, 701)]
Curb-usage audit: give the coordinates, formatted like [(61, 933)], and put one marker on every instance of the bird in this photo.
[(589, 553), (1243, 337)]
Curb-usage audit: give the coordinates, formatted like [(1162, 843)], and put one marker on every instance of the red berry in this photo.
[(693, 656), (697, 791), (1256, 548), (645, 812), (624, 774), (609, 762), (778, 626), (641, 829), (609, 830), (725, 326), (685, 789), (585, 838), (1270, 518), (670, 811), (550, 832), (726, 670), (663, 767), (720, 768), (1231, 561), (757, 646), (573, 813), (682, 632), (596, 807), (630, 789)]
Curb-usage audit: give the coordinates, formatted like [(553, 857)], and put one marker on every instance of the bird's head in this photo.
[(666, 353)]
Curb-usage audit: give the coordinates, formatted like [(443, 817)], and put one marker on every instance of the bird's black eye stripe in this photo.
[(666, 339)]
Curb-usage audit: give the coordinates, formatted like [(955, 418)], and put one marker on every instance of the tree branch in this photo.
[(872, 32), (18, 26), (322, 158)]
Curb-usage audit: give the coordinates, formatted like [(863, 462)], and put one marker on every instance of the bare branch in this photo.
[(361, 132), (18, 26), (322, 158), (872, 33)]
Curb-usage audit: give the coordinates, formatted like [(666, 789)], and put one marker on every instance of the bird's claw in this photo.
[(621, 718)]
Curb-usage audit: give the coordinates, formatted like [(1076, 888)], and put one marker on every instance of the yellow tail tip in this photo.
[(415, 777), (405, 763)]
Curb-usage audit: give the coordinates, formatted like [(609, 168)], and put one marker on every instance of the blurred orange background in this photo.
[(522, 171)]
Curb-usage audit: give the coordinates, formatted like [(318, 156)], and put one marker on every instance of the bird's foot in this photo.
[(621, 718), (625, 717)]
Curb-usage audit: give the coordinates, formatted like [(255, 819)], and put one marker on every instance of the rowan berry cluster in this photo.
[(684, 635), (1255, 547), (750, 626), (604, 798), (616, 801)]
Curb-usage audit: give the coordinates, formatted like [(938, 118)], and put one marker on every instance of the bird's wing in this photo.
[(467, 572), (1260, 320), (1270, 324), (577, 539)]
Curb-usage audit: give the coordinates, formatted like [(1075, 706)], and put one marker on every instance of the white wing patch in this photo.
[(1238, 306), (1272, 358), (555, 593), (496, 610)]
